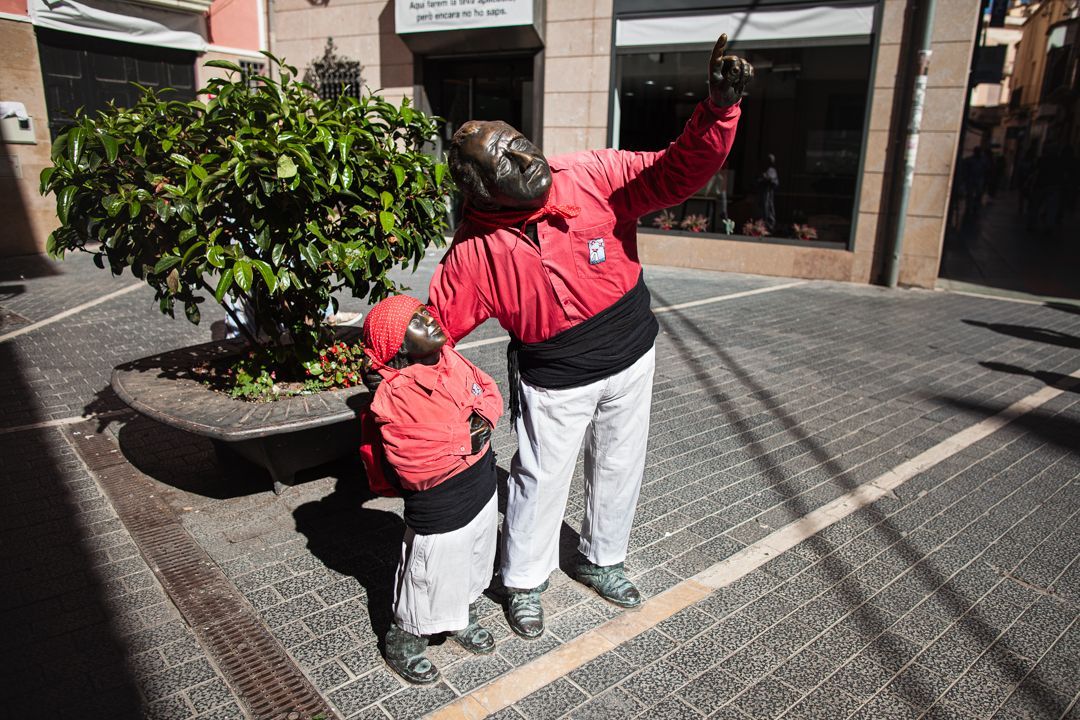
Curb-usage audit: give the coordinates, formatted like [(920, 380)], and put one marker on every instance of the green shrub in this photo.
[(264, 193)]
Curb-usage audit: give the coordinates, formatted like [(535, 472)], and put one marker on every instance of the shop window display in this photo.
[(793, 172)]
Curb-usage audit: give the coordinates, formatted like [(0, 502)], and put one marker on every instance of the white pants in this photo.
[(439, 575), (612, 416)]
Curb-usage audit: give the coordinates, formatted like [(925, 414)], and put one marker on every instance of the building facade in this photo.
[(829, 105), (60, 55)]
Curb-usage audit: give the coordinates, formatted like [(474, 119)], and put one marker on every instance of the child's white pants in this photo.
[(439, 575), (612, 417)]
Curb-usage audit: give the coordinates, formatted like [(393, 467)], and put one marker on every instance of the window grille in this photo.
[(333, 76)]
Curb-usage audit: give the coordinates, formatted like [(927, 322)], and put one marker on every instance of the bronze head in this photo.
[(497, 167)]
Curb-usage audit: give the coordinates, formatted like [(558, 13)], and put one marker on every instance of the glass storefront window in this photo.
[(806, 109)]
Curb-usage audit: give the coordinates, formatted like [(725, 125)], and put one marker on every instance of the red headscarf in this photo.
[(385, 326)]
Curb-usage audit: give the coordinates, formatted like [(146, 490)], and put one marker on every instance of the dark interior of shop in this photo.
[(807, 107)]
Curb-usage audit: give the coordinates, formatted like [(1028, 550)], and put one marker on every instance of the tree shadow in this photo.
[(888, 649), (1053, 379), (1023, 332)]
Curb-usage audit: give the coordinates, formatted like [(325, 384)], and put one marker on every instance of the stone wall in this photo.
[(28, 217)]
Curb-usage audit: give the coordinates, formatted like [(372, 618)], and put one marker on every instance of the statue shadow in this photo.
[(357, 534), (1023, 332), (1053, 379), (1063, 307)]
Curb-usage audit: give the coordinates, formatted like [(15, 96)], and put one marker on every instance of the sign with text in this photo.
[(432, 15)]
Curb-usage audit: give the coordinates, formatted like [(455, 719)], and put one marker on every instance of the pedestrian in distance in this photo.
[(548, 247), (427, 438)]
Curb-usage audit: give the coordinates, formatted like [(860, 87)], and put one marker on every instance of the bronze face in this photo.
[(514, 172), (424, 338)]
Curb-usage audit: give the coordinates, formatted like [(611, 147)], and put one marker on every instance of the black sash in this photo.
[(453, 503), (607, 343)]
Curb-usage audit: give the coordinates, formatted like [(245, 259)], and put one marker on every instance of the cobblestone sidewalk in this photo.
[(954, 596)]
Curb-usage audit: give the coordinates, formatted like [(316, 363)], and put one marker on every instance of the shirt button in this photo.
[(462, 448)]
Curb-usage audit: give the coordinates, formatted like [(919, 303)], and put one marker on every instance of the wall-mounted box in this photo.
[(16, 131)]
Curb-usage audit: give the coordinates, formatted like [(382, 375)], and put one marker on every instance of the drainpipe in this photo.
[(924, 25)]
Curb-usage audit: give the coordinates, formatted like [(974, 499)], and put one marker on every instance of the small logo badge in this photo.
[(596, 251), (476, 389)]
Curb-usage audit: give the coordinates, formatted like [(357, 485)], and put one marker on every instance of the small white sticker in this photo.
[(596, 251), (476, 389)]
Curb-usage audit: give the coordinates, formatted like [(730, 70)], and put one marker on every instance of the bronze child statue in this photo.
[(433, 413)]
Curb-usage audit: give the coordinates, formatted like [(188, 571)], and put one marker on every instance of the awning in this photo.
[(748, 26), (113, 21)]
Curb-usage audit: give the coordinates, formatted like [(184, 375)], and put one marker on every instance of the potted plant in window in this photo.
[(264, 196)]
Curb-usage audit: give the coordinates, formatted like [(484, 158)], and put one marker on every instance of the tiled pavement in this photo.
[(956, 597)]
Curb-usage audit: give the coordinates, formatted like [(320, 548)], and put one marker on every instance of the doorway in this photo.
[(487, 88)]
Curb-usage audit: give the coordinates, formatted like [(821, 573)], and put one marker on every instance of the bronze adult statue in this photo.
[(549, 248)]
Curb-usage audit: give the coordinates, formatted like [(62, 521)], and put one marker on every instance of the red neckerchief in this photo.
[(518, 218)]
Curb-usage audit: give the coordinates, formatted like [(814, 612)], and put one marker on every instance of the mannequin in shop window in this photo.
[(768, 184), (548, 247)]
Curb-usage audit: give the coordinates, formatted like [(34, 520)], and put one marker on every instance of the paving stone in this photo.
[(767, 699), (654, 681), (672, 708), (414, 702), (645, 648), (475, 671), (329, 676), (601, 673), (518, 651), (805, 671), (885, 706), (209, 695), (711, 690), (752, 663), (551, 701), (686, 624), (824, 704), (364, 691), (615, 704), (177, 679)]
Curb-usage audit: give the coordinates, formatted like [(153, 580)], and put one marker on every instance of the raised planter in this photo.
[(283, 437)]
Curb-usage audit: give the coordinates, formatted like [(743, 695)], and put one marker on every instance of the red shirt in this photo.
[(586, 263), (423, 412)]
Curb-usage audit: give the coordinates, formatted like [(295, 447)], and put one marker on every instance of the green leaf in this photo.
[(310, 254), (44, 178), (113, 204), (223, 284), (165, 263), (214, 257), (76, 136), (387, 199), (112, 147), (346, 176), (191, 252), (172, 280), (386, 219), (267, 274), (200, 172), (242, 274), (399, 174), (286, 168), (191, 310), (277, 253), (63, 202), (224, 64), (440, 171)]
